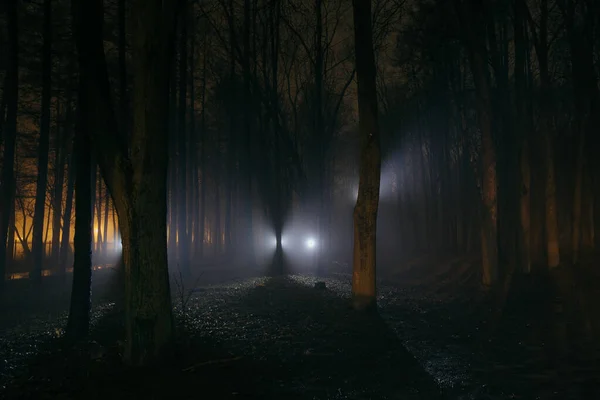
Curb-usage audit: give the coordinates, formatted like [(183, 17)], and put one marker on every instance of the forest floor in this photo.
[(435, 336)]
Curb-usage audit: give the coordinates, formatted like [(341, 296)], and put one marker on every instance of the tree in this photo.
[(135, 168), (472, 22), (44, 146), (78, 323), (365, 211), (11, 93)]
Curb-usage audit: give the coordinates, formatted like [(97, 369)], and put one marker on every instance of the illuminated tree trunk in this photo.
[(62, 149), (99, 233), (365, 211), (44, 146), (105, 227), (65, 245)]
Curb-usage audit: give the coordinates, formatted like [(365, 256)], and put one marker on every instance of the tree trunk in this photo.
[(522, 131), (78, 323), (65, 245), (172, 180), (203, 144), (365, 211), (94, 178), (552, 241), (98, 228), (217, 190), (116, 245), (59, 178), (525, 234), (44, 147), (105, 228), (135, 172), (476, 48), (581, 45), (547, 139), (577, 198), (193, 148), (11, 91), (249, 152), (123, 103), (232, 144), (182, 235), (319, 135), (10, 243)]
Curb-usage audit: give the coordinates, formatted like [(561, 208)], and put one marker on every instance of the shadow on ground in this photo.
[(257, 339)]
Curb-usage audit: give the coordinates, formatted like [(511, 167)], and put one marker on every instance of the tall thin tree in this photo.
[(367, 203), (44, 146)]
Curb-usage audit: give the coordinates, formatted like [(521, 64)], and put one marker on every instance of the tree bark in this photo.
[(44, 147), (547, 140), (105, 227), (522, 132), (248, 201), (98, 229), (365, 211), (78, 323), (182, 234), (216, 173), (122, 38), (135, 172), (476, 47), (203, 144), (11, 90), (63, 137), (65, 245)]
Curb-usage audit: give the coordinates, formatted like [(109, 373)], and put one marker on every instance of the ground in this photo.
[(283, 338)]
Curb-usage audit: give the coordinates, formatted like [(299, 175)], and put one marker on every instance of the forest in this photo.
[(147, 147)]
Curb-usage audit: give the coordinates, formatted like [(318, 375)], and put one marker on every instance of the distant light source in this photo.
[(273, 241), (311, 243)]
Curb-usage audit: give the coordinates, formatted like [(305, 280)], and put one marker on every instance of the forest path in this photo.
[(282, 338)]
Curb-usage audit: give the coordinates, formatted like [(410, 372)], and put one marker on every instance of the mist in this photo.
[(299, 199)]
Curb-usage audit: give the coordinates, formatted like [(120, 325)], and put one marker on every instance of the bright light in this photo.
[(311, 243), (95, 231), (354, 193), (273, 241)]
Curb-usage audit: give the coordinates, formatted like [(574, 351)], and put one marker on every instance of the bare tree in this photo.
[(367, 203)]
